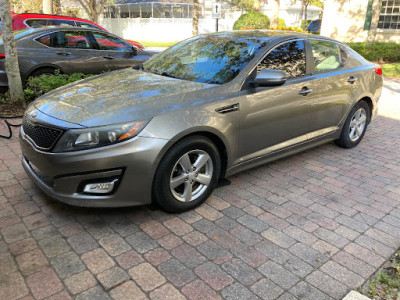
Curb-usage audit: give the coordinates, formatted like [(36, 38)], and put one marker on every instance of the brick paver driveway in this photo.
[(311, 226)]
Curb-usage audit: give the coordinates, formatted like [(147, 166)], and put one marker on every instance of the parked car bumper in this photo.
[(3, 79), (63, 176)]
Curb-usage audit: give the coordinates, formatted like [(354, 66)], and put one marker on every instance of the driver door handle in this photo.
[(305, 91), (63, 53), (108, 57), (352, 79)]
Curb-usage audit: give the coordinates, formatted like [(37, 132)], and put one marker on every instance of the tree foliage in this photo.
[(20, 6), (253, 20)]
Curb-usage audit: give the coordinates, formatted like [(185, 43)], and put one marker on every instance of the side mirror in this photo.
[(135, 50), (270, 77)]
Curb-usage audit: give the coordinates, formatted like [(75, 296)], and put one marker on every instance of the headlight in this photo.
[(87, 138)]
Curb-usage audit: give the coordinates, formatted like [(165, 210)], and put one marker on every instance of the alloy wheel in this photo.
[(191, 175)]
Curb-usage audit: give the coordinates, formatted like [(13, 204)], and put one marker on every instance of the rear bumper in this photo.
[(3, 79), (63, 175)]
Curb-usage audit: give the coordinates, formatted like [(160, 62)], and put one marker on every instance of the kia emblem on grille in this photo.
[(34, 114)]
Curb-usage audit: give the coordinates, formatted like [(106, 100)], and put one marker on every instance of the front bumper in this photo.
[(61, 175)]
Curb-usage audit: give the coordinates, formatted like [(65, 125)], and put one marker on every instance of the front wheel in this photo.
[(187, 174), (355, 126)]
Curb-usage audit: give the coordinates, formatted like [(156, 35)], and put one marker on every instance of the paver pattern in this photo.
[(312, 226)]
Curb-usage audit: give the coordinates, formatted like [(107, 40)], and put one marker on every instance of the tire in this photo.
[(355, 126), (179, 185), (43, 71)]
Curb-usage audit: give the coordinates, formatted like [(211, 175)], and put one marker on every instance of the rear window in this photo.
[(36, 22)]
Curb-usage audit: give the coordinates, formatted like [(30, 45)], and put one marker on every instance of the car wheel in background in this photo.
[(43, 71), (355, 126), (187, 174)]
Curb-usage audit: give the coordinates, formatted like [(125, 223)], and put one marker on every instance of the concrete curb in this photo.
[(353, 295)]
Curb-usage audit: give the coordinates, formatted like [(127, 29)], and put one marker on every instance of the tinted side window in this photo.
[(325, 54), (87, 25), (65, 39), (36, 23), (60, 22), (45, 40), (107, 42), (289, 58)]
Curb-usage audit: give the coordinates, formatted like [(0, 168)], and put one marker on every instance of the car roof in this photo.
[(266, 35), (48, 16), (62, 28)]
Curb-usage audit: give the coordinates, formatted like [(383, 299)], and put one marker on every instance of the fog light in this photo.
[(100, 187)]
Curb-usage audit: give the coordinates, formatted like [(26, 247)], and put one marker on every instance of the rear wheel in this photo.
[(355, 126), (187, 174), (43, 71)]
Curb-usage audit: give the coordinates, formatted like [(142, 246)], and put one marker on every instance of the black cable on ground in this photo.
[(9, 125)]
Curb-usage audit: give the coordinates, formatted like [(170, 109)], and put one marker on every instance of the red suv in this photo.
[(21, 21)]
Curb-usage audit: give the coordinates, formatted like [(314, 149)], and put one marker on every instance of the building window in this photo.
[(390, 15)]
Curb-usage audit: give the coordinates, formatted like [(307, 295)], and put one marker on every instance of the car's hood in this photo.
[(117, 97)]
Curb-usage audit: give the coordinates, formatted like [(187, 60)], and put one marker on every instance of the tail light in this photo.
[(378, 71), (2, 56)]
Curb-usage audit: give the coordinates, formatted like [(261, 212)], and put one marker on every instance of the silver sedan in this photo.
[(213, 105)]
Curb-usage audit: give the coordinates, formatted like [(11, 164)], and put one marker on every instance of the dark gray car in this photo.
[(204, 109), (71, 50)]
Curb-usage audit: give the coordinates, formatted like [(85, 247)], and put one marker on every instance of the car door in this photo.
[(71, 51), (273, 118), (334, 86), (116, 53)]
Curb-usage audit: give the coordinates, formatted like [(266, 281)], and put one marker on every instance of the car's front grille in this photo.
[(43, 137)]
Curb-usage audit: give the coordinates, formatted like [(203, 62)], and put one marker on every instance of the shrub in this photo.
[(291, 28), (281, 23), (378, 52), (38, 86), (252, 20)]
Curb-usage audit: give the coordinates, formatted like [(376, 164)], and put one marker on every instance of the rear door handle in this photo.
[(63, 53), (108, 57), (305, 91), (352, 79)]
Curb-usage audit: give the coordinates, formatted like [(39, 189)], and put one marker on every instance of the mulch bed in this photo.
[(8, 110)]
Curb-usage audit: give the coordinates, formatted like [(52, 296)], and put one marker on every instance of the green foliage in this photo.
[(386, 285), (307, 23), (37, 86), (379, 52), (281, 23), (157, 44), (252, 20)]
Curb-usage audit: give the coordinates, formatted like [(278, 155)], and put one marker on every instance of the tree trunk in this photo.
[(257, 4), (376, 8), (11, 63), (275, 13), (303, 3), (195, 23), (48, 7), (305, 17)]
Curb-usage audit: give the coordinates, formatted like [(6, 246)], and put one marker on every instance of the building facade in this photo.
[(362, 20)]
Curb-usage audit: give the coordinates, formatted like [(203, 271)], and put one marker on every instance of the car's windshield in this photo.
[(208, 59), (19, 34)]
